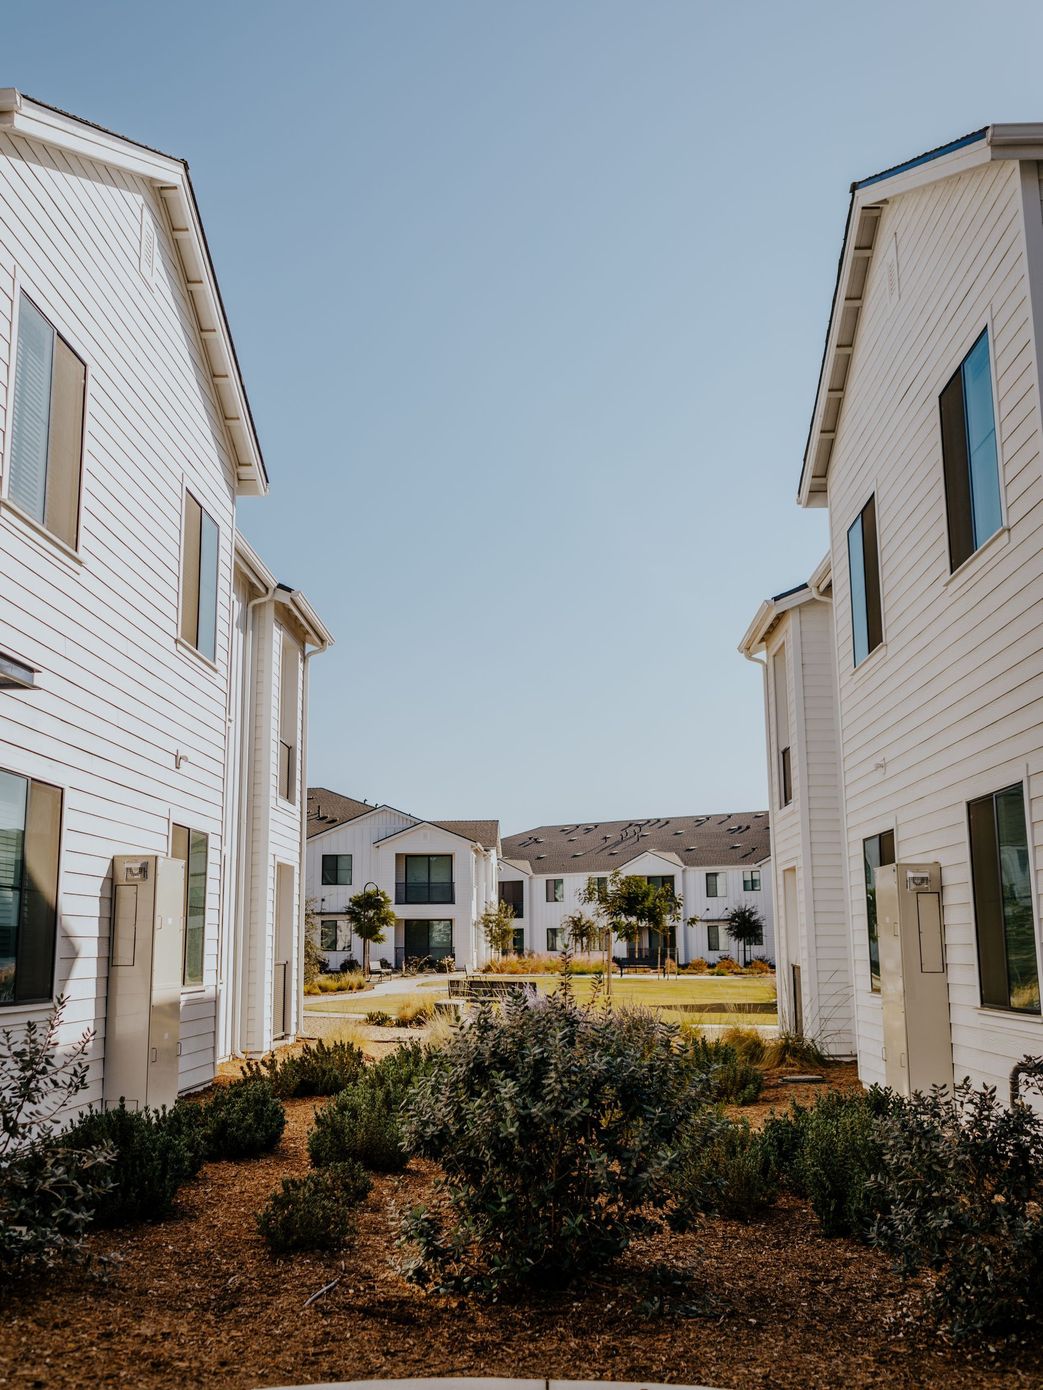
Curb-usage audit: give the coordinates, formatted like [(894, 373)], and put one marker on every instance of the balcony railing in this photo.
[(424, 893)]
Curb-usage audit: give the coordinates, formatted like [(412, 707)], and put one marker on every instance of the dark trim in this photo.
[(937, 153)]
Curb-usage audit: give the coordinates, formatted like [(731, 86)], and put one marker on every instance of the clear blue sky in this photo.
[(530, 300)]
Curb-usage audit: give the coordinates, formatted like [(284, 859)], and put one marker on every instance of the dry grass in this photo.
[(343, 982)]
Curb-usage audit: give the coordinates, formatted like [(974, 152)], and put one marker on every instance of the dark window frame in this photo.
[(190, 856), (556, 940), (751, 874), (884, 844), (785, 776), (866, 601), (964, 512), (993, 904), (35, 902), (551, 886), (716, 875), (336, 881), (191, 617), (713, 936), (411, 925), (515, 888), (429, 891)]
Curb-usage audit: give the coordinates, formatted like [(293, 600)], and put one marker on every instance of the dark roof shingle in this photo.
[(736, 838)]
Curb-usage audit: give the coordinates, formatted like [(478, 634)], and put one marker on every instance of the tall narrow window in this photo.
[(1003, 915), (876, 850), (289, 679), (30, 835), (715, 885), (46, 426), (199, 579), (555, 890), (713, 936), (780, 691), (512, 892), (193, 847), (969, 458), (863, 560)]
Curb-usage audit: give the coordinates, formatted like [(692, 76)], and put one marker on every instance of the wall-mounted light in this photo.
[(179, 760)]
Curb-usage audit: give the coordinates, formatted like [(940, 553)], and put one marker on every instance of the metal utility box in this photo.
[(914, 991), (143, 1017)]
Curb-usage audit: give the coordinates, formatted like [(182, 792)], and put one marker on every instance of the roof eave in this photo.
[(34, 120)]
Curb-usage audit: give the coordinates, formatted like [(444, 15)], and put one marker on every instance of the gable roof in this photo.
[(772, 609), (34, 120), (598, 847), (868, 196), (483, 832), (327, 810)]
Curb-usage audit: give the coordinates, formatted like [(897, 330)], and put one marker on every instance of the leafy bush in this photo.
[(152, 1153), (361, 1124), (320, 1069), (959, 1190), (314, 1212), (553, 1127), (48, 1192), (241, 1120), (830, 1152), (721, 1167), (729, 1077), (379, 1018)]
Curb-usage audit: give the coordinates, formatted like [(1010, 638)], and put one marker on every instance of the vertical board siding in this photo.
[(950, 707), (117, 697)]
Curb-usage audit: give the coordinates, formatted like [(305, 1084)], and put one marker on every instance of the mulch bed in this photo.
[(197, 1301)]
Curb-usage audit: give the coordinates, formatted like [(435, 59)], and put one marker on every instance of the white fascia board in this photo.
[(248, 562), (32, 120), (316, 631), (430, 825), (768, 614)]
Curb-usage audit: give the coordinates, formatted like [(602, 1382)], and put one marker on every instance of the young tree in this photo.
[(583, 933), (745, 925), (629, 905), (371, 915), (497, 924), (313, 957)]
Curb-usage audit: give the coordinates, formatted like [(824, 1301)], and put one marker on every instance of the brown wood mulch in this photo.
[(197, 1301)]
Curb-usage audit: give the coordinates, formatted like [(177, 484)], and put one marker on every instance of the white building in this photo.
[(794, 631), (441, 876), (714, 863), (925, 445), (141, 684)]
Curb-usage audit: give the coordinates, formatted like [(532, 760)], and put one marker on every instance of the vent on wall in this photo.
[(147, 247)]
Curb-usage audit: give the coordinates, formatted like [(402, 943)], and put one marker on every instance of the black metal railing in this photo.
[(424, 893)]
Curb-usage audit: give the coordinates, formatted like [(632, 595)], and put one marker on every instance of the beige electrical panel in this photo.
[(143, 1017), (914, 992)]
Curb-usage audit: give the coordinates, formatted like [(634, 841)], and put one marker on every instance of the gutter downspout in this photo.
[(762, 662), (245, 804), (303, 802)]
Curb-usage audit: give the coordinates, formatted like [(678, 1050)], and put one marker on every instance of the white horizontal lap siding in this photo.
[(116, 697), (950, 709)]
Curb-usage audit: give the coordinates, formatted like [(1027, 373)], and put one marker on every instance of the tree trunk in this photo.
[(365, 957)]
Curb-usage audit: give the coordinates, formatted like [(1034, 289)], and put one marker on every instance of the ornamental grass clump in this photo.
[(553, 1126), (959, 1191)]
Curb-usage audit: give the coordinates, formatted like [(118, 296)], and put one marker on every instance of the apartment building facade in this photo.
[(925, 447), (129, 648), (440, 875), (713, 863)]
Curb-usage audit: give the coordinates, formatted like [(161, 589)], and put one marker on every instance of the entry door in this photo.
[(285, 933)]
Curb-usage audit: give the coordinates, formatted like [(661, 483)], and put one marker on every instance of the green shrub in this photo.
[(315, 1212), (241, 1120), (830, 1152), (153, 1152), (379, 1018), (362, 1124), (959, 1190), (721, 1167), (320, 1069), (729, 1077), (553, 1127), (48, 1192)]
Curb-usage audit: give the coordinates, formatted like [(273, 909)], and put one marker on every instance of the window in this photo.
[(193, 847), (432, 939), (199, 548), (424, 878), (46, 426), (30, 837), (519, 941), (751, 880), (599, 883), (876, 851), (512, 892), (1003, 902), (783, 738), (969, 459), (556, 937), (716, 885), (336, 870), (863, 563), (289, 694), (661, 881), (555, 890), (329, 935), (713, 937)]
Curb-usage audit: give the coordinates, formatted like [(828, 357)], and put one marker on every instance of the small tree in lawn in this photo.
[(746, 926), (629, 905), (497, 924), (584, 934), (371, 915), (313, 957)]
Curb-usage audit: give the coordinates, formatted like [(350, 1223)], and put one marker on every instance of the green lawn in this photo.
[(648, 990)]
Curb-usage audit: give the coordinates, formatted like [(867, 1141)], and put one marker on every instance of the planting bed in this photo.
[(197, 1301)]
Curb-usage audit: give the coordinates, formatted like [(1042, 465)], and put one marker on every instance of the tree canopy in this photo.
[(371, 915)]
